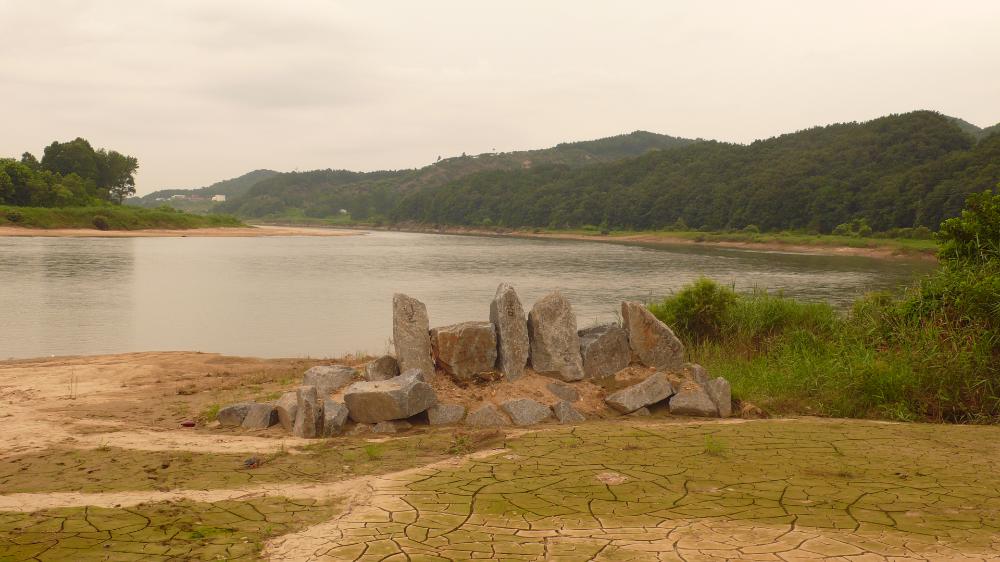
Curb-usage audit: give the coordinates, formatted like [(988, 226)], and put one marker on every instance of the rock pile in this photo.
[(393, 390)]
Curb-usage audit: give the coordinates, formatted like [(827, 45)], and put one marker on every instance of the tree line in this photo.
[(70, 174)]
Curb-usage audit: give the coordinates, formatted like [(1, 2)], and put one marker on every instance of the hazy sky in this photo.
[(204, 90)]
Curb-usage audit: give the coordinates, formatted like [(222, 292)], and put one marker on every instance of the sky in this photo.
[(202, 91)]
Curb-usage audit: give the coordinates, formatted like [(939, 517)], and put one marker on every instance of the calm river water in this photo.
[(320, 297)]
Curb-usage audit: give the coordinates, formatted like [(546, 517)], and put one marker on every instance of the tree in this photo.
[(73, 157), (118, 174), (975, 235)]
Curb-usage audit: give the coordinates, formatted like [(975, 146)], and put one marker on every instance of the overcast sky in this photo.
[(205, 90)]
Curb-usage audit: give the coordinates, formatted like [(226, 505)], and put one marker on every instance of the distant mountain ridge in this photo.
[(230, 188)]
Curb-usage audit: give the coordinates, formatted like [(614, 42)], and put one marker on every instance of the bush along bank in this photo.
[(930, 353), (110, 217)]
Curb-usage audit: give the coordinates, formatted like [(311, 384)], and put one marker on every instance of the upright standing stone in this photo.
[(287, 406), (651, 340), (334, 417), (604, 349), (381, 369), (465, 350), (411, 334), (309, 419), (555, 345), (507, 316), (722, 394)]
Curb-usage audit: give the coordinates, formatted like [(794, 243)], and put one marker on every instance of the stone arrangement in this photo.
[(390, 391)]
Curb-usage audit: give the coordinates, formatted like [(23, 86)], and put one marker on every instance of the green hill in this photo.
[(903, 170), (323, 193), (233, 187)]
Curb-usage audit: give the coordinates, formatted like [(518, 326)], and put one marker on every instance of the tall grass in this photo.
[(916, 356)]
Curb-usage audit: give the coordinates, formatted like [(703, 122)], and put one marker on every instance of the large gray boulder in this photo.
[(693, 400), (334, 417), (513, 347), (555, 345), (445, 414), (722, 394), (604, 349), (233, 414), (287, 406), (260, 416), (652, 341), (566, 413), (397, 398), (329, 378), (465, 350), (697, 373), (563, 391), (309, 417), (655, 388), (381, 369), (525, 411), (486, 415), (411, 334)]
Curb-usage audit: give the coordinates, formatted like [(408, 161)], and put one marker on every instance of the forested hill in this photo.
[(230, 188), (897, 171), (323, 193)]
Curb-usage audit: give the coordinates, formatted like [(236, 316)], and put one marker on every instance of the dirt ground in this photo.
[(94, 465)]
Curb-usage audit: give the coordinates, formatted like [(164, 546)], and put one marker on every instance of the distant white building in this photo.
[(218, 198)]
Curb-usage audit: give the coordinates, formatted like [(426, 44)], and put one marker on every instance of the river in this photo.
[(327, 296)]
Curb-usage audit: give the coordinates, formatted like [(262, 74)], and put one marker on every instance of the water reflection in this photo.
[(328, 296)]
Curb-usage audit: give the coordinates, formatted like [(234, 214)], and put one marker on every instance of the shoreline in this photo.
[(209, 232)]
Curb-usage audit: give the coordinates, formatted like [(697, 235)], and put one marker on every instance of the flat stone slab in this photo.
[(655, 388), (393, 399), (464, 350), (513, 347), (555, 344), (722, 395), (651, 341), (445, 414), (525, 411), (604, 350), (563, 391), (486, 415), (329, 378), (566, 413)]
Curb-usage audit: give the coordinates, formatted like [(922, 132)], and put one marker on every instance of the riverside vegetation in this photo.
[(76, 186), (931, 353)]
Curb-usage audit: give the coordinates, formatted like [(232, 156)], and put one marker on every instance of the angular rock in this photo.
[(652, 341), (641, 413), (361, 429), (329, 379), (445, 414), (287, 406), (604, 349), (465, 350), (397, 398), (563, 391), (309, 417), (693, 400), (386, 427), (486, 416), (381, 369), (566, 413), (697, 373), (507, 316), (411, 334), (233, 414), (656, 387), (555, 345), (415, 374), (260, 416), (334, 417), (722, 394), (525, 411)]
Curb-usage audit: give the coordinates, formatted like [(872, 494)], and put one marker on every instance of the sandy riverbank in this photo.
[(231, 232)]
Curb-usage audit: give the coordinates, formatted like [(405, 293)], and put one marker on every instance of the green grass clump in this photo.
[(110, 217)]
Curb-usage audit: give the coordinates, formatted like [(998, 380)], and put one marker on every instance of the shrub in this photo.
[(698, 310), (975, 235), (751, 229), (101, 223), (14, 216)]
